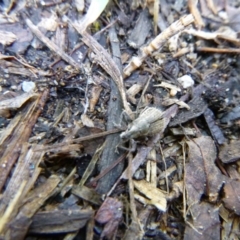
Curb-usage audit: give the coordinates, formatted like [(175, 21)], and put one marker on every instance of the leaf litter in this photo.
[(143, 148)]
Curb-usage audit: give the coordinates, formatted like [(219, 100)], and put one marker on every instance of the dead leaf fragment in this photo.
[(230, 152), (7, 38), (16, 102), (206, 223), (64, 220), (168, 86), (171, 101), (87, 121), (232, 196), (110, 214), (156, 196), (94, 11), (202, 175)]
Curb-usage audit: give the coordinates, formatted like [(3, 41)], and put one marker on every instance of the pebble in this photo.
[(28, 86), (186, 81)]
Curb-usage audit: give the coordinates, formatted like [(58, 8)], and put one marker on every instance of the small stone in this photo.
[(28, 86), (186, 81)]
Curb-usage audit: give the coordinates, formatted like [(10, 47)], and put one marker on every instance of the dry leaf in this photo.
[(16, 102), (202, 175), (206, 223), (230, 152), (231, 199), (94, 11)]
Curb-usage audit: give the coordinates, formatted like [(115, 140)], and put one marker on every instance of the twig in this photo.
[(184, 185), (131, 188), (158, 43), (7, 214), (78, 140), (165, 166), (103, 58), (218, 50), (51, 45), (212, 6), (192, 4), (108, 169)]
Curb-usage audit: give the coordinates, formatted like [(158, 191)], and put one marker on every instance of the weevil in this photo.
[(149, 122)]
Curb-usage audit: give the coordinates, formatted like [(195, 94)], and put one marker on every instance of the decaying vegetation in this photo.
[(119, 119)]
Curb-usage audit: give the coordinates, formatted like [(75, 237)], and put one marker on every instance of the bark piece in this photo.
[(140, 31), (233, 115), (230, 152), (197, 107), (87, 194), (7, 38), (155, 195), (21, 128), (19, 226), (213, 127), (61, 221), (114, 112)]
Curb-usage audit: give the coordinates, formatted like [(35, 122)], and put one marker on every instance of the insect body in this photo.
[(149, 122)]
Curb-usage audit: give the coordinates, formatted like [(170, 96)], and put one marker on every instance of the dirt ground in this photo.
[(120, 121)]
